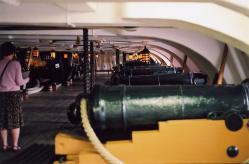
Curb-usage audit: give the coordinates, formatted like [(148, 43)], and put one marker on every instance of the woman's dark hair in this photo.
[(7, 48)]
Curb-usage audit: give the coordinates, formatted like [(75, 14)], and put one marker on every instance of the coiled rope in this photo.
[(93, 138), (246, 161)]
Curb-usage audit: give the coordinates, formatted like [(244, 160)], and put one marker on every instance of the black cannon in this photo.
[(144, 72), (149, 70), (126, 108), (135, 74), (166, 79)]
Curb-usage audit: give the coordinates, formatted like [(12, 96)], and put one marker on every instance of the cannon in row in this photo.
[(127, 108), (156, 75), (165, 79)]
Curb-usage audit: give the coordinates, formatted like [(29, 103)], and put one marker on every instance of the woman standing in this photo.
[(10, 96)]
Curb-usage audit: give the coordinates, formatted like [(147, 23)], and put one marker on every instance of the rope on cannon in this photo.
[(108, 156)]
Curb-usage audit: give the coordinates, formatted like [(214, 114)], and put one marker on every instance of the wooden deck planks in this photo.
[(44, 116)]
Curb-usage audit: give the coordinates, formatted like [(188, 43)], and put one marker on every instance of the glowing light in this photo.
[(75, 55), (53, 54), (145, 53), (35, 52)]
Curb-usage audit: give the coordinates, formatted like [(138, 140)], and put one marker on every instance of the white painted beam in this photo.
[(74, 6), (11, 2), (213, 20), (237, 63)]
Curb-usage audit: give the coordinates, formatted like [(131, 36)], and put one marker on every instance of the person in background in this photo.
[(11, 79)]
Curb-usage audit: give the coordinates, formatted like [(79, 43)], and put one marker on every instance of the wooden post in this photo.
[(92, 64), (222, 66), (124, 58), (184, 63), (117, 59), (171, 61), (30, 59), (86, 64)]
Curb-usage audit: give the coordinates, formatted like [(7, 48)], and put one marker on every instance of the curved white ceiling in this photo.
[(226, 21)]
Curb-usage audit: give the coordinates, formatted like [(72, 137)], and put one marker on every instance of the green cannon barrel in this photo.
[(149, 70), (127, 108), (148, 74), (166, 79)]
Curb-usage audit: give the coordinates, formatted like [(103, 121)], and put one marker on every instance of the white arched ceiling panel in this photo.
[(177, 61), (191, 43), (163, 56), (206, 46), (155, 58), (234, 61), (217, 21), (162, 44), (222, 23), (209, 48), (168, 48)]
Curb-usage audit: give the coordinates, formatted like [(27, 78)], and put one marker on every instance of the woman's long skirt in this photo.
[(11, 115)]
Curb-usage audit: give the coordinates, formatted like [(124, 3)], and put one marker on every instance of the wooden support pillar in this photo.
[(92, 64), (222, 66), (86, 63), (184, 63), (124, 58), (171, 61), (30, 59), (117, 59)]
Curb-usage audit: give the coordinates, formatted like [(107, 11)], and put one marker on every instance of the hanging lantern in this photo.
[(53, 54), (35, 52), (145, 55), (75, 55), (65, 56), (139, 56), (135, 56), (130, 57)]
